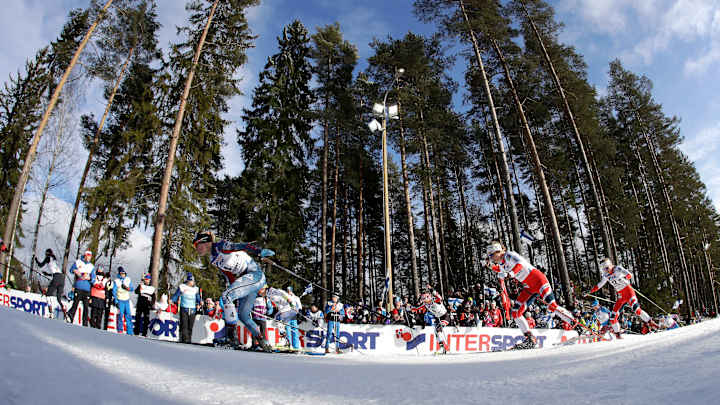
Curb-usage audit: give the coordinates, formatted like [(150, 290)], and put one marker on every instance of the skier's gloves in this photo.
[(267, 253)]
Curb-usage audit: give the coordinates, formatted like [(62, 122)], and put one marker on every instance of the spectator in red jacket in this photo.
[(495, 315), (530, 320)]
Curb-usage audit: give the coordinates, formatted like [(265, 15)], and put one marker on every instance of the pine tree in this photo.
[(277, 145)]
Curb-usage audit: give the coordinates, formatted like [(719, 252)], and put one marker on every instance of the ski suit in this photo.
[(434, 309), (121, 294), (57, 284), (244, 279), (533, 282), (288, 306), (602, 316), (620, 278)]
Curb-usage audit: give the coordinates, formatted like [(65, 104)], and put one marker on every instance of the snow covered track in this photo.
[(51, 362)]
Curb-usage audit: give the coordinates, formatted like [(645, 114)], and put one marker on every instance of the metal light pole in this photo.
[(391, 113)]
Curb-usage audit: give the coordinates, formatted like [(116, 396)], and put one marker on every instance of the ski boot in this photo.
[(529, 342), (652, 326), (231, 338), (265, 346)]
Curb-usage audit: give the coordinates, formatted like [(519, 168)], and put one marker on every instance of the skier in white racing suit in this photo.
[(620, 278), (432, 303), (244, 278)]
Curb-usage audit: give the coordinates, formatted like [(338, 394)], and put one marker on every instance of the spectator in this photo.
[(379, 314), (334, 313), (211, 309), (260, 311), (188, 297), (84, 277), (97, 298), (496, 317), (350, 315), (467, 316), (161, 305), (121, 295), (316, 316), (146, 299), (531, 322)]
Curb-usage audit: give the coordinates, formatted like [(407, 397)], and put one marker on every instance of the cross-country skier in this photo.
[(601, 316), (431, 303), (57, 284), (620, 278), (288, 306), (510, 264), (244, 279)]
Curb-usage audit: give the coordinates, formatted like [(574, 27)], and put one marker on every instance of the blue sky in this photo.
[(676, 43)]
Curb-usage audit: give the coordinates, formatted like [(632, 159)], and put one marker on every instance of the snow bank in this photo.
[(49, 361)]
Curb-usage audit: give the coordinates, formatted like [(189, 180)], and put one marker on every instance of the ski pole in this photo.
[(651, 301), (599, 298), (285, 269)]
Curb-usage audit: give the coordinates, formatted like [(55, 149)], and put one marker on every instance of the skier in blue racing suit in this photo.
[(244, 278)]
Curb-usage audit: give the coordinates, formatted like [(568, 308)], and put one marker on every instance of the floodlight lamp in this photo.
[(401, 71), (378, 109), (374, 125), (393, 112)]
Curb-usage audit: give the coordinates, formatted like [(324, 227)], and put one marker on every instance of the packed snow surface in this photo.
[(50, 362)]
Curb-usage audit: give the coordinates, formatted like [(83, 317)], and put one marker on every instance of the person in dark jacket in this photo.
[(57, 283), (146, 299)]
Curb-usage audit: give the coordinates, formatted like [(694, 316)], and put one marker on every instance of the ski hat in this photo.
[(595, 303), (87, 253), (606, 263), (203, 237), (494, 247), (147, 277), (121, 270), (189, 277)]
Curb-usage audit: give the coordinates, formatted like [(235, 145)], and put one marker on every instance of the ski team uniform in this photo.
[(57, 284), (534, 282), (288, 305), (435, 311), (121, 293), (602, 316), (244, 279), (620, 278), (189, 297)]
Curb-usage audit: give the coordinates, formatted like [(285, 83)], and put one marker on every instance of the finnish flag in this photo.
[(308, 290)]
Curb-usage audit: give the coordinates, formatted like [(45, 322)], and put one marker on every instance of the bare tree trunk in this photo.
[(433, 213), (162, 206), (466, 224), (46, 187), (576, 133), (9, 231), (361, 231), (498, 137), (346, 219), (411, 219), (334, 216), (428, 238), (323, 246)]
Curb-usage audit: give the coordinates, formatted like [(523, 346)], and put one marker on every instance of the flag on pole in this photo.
[(308, 290), (492, 292), (385, 288), (526, 237)]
